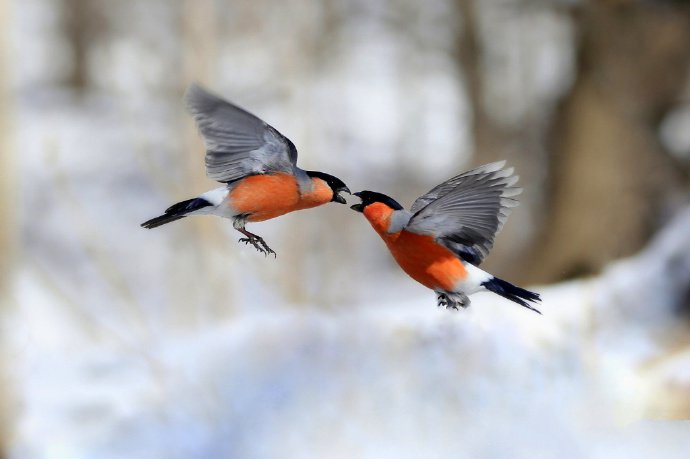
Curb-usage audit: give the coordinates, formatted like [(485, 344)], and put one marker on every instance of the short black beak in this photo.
[(338, 198), (357, 207)]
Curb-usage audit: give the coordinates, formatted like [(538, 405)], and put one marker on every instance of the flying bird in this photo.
[(446, 234), (258, 166)]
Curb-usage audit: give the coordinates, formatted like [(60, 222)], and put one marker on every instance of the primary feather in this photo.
[(465, 212), (237, 143)]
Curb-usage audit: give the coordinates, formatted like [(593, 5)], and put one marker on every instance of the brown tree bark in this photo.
[(8, 230), (493, 141), (610, 176), (83, 22)]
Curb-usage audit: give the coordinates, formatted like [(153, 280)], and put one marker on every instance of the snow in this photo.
[(400, 379), (675, 132)]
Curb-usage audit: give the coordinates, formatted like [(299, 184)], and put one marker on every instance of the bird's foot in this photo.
[(452, 300), (259, 244), (441, 300)]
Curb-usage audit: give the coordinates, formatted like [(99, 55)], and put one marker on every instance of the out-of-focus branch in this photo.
[(82, 23), (487, 136), (8, 231), (492, 140), (199, 27)]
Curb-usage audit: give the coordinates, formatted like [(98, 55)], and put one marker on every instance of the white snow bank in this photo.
[(400, 380), (423, 384)]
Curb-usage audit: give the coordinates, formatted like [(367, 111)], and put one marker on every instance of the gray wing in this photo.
[(465, 212), (237, 143)]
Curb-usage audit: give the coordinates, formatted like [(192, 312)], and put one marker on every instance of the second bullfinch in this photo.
[(257, 164), (446, 234)]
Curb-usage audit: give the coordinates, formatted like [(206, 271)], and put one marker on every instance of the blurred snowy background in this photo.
[(180, 342)]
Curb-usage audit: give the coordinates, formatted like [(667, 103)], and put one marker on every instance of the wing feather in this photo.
[(465, 212), (237, 143)]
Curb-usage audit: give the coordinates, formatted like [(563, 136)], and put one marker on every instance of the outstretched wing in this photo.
[(465, 212), (237, 143)]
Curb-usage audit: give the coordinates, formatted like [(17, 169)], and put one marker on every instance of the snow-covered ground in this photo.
[(402, 379)]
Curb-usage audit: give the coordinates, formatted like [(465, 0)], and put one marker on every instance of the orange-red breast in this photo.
[(257, 164), (443, 238)]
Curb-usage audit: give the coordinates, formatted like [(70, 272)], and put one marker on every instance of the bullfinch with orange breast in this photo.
[(257, 164), (443, 238)]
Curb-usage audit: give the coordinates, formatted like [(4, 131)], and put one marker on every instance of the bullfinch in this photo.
[(256, 163), (446, 234)]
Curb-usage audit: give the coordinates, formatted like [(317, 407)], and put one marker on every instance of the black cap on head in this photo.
[(335, 183), (370, 197)]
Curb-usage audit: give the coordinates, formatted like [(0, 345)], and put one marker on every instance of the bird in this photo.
[(256, 164), (441, 241)]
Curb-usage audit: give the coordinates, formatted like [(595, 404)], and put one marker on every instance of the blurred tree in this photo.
[(8, 230), (610, 177), (199, 27), (520, 141), (82, 22), (491, 139)]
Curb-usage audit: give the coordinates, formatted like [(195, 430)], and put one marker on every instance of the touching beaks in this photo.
[(357, 207), (338, 198)]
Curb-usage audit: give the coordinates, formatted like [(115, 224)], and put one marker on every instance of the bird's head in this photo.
[(337, 185), (371, 197)]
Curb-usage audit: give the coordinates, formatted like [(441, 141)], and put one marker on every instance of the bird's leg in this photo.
[(257, 241)]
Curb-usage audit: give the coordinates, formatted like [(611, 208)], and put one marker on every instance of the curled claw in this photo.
[(256, 241), (259, 244), (267, 249), (251, 241), (442, 300)]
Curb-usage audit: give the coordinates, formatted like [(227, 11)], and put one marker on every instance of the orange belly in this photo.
[(427, 262), (263, 197)]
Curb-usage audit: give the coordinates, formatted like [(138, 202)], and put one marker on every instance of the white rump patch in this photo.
[(473, 282)]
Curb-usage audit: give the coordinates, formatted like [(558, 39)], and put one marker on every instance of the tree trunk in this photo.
[(83, 23), (494, 141), (8, 231), (610, 175)]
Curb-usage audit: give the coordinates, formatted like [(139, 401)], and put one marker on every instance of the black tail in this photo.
[(512, 292), (176, 212)]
